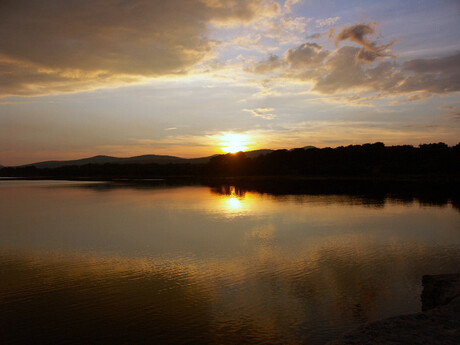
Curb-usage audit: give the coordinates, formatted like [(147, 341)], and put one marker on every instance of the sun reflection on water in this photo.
[(233, 202), (222, 264)]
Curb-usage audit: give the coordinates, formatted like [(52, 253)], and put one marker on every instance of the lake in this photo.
[(121, 263)]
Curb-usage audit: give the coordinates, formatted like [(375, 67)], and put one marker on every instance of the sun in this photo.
[(232, 142)]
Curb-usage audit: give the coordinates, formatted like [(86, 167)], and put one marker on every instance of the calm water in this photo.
[(90, 263)]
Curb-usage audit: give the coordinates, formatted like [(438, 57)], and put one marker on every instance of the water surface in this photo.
[(89, 263)]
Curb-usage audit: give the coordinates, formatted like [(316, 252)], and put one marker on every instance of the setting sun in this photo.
[(232, 142)]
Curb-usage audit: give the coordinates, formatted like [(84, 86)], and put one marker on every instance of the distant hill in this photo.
[(256, 153), (304, 148), (144, 159)]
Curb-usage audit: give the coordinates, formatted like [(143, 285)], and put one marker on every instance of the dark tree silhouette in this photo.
[(370, 160)]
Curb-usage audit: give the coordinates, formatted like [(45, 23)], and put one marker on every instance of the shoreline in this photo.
[(438, 323), (387, 177)]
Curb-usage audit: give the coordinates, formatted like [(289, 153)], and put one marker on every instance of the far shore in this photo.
[(390, 177)]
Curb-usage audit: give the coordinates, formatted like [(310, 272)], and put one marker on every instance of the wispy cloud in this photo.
[(320, 23), (272, 63), (359, 33), (315, 36), (453, 112), (265, 113)]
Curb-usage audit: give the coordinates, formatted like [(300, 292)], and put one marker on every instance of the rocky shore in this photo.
[(438, 323)]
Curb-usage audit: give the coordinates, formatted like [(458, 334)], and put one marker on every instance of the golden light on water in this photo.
[(232, 142), (233, 203)]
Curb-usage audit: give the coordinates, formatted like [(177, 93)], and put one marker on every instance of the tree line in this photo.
[(347, 161)]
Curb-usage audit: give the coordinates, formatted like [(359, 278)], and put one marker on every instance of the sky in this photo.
[(80, 78)]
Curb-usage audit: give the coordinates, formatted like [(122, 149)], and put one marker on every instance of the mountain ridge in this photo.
[(142, 159)]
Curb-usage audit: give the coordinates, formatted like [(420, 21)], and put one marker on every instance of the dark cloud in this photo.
[(342, 73), (345, 73), (314, 36), (308, 54), (46, 43), (435, 75), (356, 33), (449, 64), (370, 50), (370, 55), (272, 63)]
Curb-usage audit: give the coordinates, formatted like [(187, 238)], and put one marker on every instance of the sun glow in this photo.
[(232, 143), (233, 203)]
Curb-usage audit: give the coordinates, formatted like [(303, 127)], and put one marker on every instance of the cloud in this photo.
[(234, 12), (447, 64), (64, 46), (370, 50), (289, 3), (412, 97), (27, 79), (453, 112), (346, 70), (326, 21), (436, 75), (272, 63), (250, 41), (285, 29), (315, 36), (342, 73), (307, 54), (356, 33), (262, 112)]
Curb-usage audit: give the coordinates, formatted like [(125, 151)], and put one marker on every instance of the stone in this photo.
[(438, 323)]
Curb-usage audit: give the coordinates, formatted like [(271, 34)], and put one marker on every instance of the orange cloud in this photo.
[(64, 46), (370, 50)]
